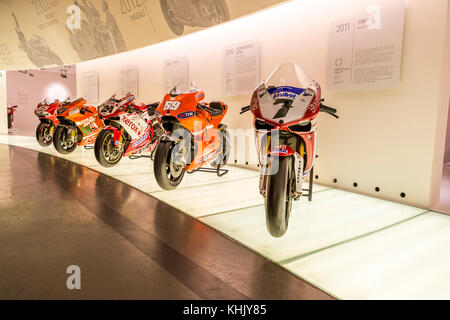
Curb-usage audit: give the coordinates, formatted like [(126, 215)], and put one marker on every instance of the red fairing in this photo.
[(254, 105), (314, 107), (282, 151)]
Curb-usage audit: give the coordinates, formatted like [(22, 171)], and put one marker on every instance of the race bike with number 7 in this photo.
[(285, 109), (194, 136), (130, 129)]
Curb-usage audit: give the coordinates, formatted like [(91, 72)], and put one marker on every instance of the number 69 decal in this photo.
[(172, 105)]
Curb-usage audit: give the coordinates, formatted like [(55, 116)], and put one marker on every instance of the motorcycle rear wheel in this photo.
[(42, 136), (60, 138), (278, 198), (164, 175), (9, 121), (102, 149)]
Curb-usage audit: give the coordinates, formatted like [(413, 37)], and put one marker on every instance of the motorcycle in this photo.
[(11, 110), (285, 108), (79, 128), (130, 129), (193, 136), (194, 13), (46, 112)]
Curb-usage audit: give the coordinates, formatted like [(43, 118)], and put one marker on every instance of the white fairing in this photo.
[(134, 124), (286, 94)]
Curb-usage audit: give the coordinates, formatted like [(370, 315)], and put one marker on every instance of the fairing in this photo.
[(287, 96)]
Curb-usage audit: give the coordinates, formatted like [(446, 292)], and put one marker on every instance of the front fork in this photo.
[(118, 138), (270, 153), (298, 172)]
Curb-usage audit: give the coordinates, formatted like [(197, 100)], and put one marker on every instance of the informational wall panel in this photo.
[(176, 72), (365, 50), (241, 68), (90, 86), (129, 80)]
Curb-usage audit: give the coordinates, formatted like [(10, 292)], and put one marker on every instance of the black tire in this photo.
[(278, 199), (58, 141), (104, 138), (9, 121), (176, 27), (40, 133), (161, 167), (222, 159)]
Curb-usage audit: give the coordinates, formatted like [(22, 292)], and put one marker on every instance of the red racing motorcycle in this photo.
[(11, 110), (130, 129), (285, 109)]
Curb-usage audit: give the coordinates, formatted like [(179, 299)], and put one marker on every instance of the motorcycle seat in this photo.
[(151, 108), (216, 108)]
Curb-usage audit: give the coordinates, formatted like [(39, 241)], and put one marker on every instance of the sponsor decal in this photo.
[(132, 126), (282, 150), (186, 115), (141, 140), (285, 92), (62, 110), (199, 96)]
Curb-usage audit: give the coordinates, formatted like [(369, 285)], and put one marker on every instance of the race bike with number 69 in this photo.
[(194, 136)]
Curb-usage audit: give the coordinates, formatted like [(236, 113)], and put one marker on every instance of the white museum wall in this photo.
[(27, 92), (384, 138), (3, 104), (441, 129)]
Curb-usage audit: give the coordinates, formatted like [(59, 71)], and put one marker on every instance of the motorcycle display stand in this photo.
[(310, 187), (219, 171), (134, 157)]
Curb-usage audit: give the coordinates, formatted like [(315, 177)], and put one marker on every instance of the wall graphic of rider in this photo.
[(96, 38), (36, 48)]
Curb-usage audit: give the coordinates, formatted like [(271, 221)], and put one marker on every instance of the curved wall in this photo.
[(42, 33), (384, 138)]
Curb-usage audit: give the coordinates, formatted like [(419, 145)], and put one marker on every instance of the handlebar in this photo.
[(329, 110), (244, 109)]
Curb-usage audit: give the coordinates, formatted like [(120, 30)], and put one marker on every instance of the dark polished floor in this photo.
[(128, 245)]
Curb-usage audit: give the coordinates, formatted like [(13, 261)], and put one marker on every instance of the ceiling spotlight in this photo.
[(26, 72)]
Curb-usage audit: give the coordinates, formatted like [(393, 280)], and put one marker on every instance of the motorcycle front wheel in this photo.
[(105, 152), (43, 135), (278, 198), (168, 173), (62, 140)]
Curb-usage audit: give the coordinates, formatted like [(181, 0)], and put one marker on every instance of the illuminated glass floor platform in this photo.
[(350, 245)]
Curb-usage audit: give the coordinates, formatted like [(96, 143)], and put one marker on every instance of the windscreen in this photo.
[(286, 94)]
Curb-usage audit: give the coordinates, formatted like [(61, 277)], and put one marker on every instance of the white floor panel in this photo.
[(343, 242), (332, 217), (214, 198), (407, 261)]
